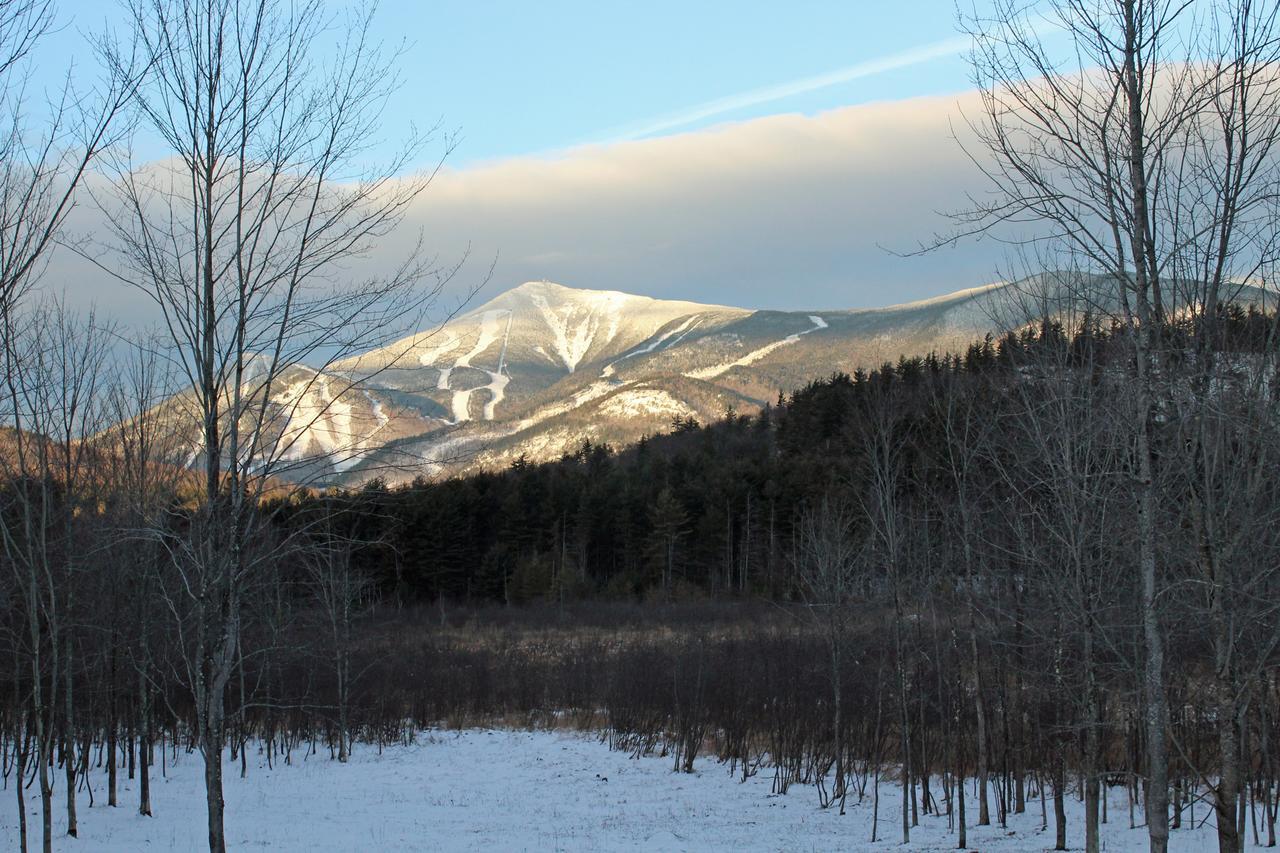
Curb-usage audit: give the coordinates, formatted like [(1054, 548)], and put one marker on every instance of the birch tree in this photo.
[(1133, 140), (828, 557), (245, 237)]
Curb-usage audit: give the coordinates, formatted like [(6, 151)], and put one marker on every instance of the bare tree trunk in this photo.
[(20, 739), (1154, 704), (69, 740), (1092, 747), (1147, 335), (1059, 801), (1226, 794), (904, 721), (144, 746), (211, 746), (980, 716)]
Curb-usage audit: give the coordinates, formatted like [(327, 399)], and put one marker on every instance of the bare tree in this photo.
[(145, 470), (966, 434), (828, 554), (242, 239), (343, 593), (1065, 476), (1142, 151), (44, 154), (48, 468), (882, 499)]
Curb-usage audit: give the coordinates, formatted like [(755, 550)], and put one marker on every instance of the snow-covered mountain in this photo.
[(542, 367)]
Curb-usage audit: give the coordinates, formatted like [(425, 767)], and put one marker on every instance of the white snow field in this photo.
[(518, 790)]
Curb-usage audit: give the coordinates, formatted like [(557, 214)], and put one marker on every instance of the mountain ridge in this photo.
[(541, 367)]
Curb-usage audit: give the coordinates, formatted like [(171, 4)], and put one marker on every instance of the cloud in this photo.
[(786, 212), (780, 91)]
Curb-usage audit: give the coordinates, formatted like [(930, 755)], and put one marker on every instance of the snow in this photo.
[(757, 354), (575, 324), (678, 334), (435, 351), (488, 334), (460, 403), (526, 790), (322, 422), (588, 323), (642, 402), (497, 390), (580, 398)]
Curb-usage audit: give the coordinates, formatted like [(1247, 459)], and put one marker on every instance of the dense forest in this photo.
[(928, 565), (712, 510)]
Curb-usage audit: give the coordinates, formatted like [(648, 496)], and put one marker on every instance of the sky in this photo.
[(758, 154), (519, 78)]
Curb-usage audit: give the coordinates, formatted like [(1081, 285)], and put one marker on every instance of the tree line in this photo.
[(962, 525), (942, 580)]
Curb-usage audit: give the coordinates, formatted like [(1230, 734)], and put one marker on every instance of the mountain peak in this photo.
[(542, 285), (554, 293)]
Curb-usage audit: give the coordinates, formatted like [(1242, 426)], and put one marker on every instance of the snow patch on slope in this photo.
[(681, 331), (460, 403), (576, 324), (321, 422), (757, 354), (644, 402)]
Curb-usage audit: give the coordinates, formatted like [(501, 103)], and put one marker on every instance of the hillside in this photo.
[(542, 367)]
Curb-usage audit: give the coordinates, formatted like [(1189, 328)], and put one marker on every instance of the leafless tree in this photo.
[(243, 239), (343, 593), (46, 147), (1066, 479), (966, 435), (829, 566), (1143, 152), (144, 466), (48, 469), (881, 495)]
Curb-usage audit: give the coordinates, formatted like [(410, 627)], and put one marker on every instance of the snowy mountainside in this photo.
[(542, 367)]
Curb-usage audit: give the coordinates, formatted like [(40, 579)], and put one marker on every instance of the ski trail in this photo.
[(682, 330), (497, 389), (498, 381), (460, 403), (488, 334), (755, 355), (574, 326), (506, 336), (433, 351)]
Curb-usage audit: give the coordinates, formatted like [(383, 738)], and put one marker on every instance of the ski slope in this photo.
[(757, 354), (460, 401)]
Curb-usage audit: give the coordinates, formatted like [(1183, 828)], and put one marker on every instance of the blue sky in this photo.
[(640, 146), (521, 77), (515, 78)]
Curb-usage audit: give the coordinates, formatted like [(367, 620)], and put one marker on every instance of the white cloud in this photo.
[(787, 212)]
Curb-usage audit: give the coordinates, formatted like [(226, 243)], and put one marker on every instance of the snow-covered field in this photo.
[(513, 790)]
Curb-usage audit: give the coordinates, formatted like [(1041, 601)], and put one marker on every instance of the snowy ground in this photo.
[(503, 790)]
